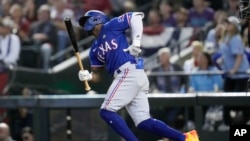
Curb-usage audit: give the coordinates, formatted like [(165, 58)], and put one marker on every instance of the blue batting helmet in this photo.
[(92, 18)]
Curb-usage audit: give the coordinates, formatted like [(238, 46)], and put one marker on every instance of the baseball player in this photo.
[(130, 85)]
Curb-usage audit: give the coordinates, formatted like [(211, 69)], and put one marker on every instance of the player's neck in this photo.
[(97, 30)]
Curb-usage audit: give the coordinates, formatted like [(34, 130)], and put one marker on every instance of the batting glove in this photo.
[(84, 75), (134, 49)]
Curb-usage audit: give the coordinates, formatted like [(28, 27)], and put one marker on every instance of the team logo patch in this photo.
[(121, 18)]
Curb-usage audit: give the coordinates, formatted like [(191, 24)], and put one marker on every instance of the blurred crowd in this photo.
[(31, 31), (222, 46), (40, 31)]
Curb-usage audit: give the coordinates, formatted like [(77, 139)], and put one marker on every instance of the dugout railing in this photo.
[(67, 102)]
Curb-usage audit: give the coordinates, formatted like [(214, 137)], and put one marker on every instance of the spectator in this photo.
[(219, 18), (191, 63), (167, 84), (212, 43), (21, 24), (153, 25), (233, 8), (205, 83), (30, 12), (5, 6), (216, 29), (234, 61), (23, 119), (232, 49), (77, 8), (44, 34), (245, 40), (9, 50), (27, 134), (129, 6), (102, 5), (59, 11), (10, 43), (5, 132), (153, 28), (200, 15), (181, 17), (9, 54), (166, 13), (214, 36)]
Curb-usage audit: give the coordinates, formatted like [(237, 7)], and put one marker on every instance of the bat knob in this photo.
[(66, 18)]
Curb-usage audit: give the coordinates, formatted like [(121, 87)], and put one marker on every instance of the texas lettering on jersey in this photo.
[(106, 47)]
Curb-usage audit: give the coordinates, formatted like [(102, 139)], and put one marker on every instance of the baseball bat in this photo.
[(72, 37)]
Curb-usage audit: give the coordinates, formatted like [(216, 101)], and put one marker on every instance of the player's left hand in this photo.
[(133, 50), (84, 75)]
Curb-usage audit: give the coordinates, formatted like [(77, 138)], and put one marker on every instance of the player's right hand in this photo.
[(84, 75), (133, 50)]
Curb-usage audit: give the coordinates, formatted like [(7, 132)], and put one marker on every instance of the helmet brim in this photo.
[(83, 20)]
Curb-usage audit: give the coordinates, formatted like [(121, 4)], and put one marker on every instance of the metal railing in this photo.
[(69, 49), (200, 72), (195, 100)]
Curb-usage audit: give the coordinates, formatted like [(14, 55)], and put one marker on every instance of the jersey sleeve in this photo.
[(94, 62), (120, 23)]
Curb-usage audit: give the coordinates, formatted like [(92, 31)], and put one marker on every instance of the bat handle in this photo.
[(86, 84)]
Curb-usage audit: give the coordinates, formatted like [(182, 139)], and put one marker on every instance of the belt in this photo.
[(127, 65)]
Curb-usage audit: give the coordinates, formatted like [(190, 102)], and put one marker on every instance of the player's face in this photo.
[(96, 30)]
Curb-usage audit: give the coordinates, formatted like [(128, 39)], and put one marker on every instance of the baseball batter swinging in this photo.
[(130, 85)]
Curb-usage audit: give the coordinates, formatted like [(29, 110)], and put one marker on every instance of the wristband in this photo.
[(137, 42)]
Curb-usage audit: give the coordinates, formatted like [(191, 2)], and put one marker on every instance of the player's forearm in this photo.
[(137, 28), (96, 73), (97, 70)]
